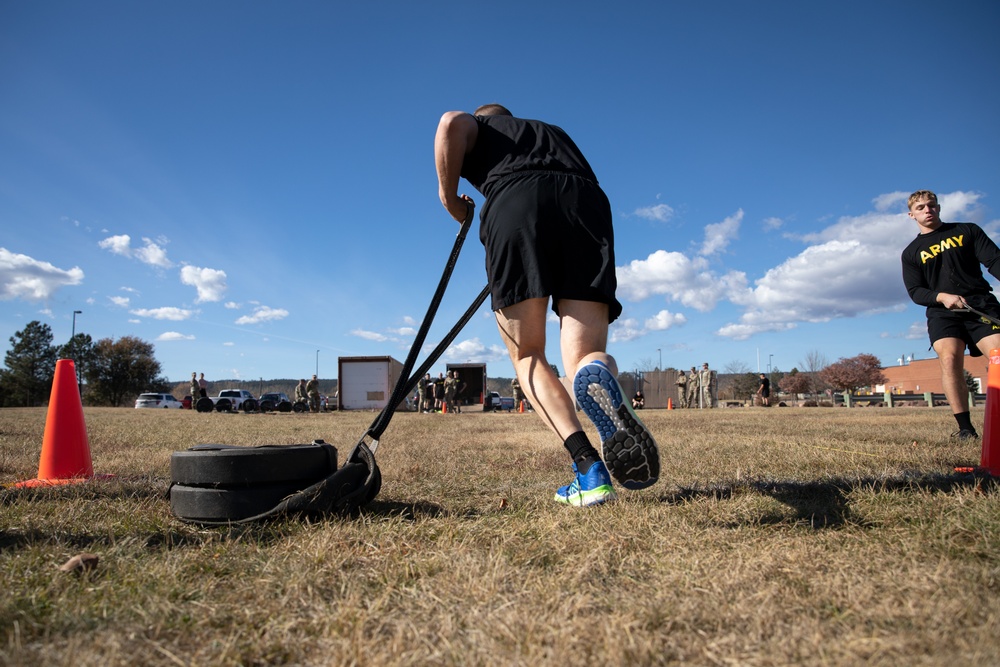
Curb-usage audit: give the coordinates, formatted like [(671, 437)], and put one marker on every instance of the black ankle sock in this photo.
[(583, 453), (964, 421)]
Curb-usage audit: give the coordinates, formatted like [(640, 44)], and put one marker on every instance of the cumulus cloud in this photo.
[(210, 283), (121, 301), (369, 335), (850, 269), (165, 313), (658, 213), (626, 329), (173, 335), (473, 348), (681, 278), (151, 252), (22, 277), (263, 314), (719, 234)]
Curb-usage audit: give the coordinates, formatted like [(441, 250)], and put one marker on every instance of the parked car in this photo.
[(187, 403), (495, 402), (157, 401), (228, 400), (275, 400)]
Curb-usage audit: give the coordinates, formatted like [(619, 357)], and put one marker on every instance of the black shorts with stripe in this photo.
[(549, 234), (961, 324)]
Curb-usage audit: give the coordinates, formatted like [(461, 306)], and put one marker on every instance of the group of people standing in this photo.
[(199, 388), (696, 389), (308, 393), (440, 394)]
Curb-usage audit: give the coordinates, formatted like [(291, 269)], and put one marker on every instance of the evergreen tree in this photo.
[(123, 369), (30, 366)]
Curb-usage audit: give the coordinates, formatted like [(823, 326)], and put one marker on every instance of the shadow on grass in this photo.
[(825, 504)]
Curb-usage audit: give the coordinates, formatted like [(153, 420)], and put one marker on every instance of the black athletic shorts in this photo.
[(966, 326), (549, 234)]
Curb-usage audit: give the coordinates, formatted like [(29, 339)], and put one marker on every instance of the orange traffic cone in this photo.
[(444, 408), (991, 426), (65, 455), (670, 404), (520, 406)]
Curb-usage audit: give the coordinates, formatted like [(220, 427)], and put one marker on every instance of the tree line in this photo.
[(113, 372)]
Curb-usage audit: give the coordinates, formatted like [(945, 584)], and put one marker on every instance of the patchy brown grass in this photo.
[(775, 537)]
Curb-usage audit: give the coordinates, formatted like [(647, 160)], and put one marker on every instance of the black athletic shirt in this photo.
[(506, 145), (948, 260)]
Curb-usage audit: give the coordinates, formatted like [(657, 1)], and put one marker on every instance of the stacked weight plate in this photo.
[(214, 483)]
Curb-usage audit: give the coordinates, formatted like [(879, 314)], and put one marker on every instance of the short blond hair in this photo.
[(920, 194)]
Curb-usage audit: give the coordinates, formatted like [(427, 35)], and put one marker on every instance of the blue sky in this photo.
[(250, 186)]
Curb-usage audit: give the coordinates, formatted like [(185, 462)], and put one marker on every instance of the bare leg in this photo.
[(522, 328), (951, 354)]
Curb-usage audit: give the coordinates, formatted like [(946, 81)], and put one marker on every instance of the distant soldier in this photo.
[(203, 386), (693, 388), (439, 392), (515, 390), (682, 383), (705, 381), (312, 390), (195, 391), (300, 392), (422, 394), (450, 385)]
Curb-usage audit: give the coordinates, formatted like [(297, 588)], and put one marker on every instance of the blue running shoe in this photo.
[(593, 488), (629, 450)]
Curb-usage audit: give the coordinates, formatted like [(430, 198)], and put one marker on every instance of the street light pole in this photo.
[(660, 367), (73, 335), (73, 349)]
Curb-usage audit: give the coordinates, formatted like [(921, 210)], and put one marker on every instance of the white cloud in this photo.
[(852, 269), (165, 313), (263, 314), (173, 335), (228, 344), (719, 234), (369, 335), (403, 331), (678, 277), (658, 213), (151, 253), (232, 305), (770, 224), (122, 301), (475, 350), (22, 277), (626, 329), (210, 283)]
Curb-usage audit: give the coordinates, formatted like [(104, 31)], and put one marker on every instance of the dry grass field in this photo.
[(780, 536)]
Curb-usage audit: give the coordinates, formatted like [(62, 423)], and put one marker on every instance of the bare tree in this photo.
[(737, 367), (814, 361)]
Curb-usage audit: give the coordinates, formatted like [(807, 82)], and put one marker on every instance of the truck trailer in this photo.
[(366, 383), (471, 383)]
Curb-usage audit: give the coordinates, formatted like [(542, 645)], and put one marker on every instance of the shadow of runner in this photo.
[(825, 504)]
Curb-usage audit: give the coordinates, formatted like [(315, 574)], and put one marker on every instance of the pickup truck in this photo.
[(229, 400), (495, 402)]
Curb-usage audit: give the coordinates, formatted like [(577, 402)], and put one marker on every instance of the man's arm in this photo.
[(456, 136)]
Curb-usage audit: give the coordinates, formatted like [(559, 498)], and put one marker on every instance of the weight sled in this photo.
[(221, 484)]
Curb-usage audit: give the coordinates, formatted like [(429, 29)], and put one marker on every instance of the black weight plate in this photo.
[(229, 465), (249, 405), (266, 406), (203, 503), (204, 404), (284, 406)]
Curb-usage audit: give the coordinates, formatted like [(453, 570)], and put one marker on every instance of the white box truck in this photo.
[(366, 383)]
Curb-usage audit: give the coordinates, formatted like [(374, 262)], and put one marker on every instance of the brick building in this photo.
[(924, 375)]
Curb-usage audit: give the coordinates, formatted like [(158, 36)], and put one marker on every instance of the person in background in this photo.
[(515, 390), (693, 388), (764, 390), (638, 401), (681, 382), (202, 387), (312, 390), (195, 391), (942, 270)]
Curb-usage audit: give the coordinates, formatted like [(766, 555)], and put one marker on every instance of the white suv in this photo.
[(157, 401)]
